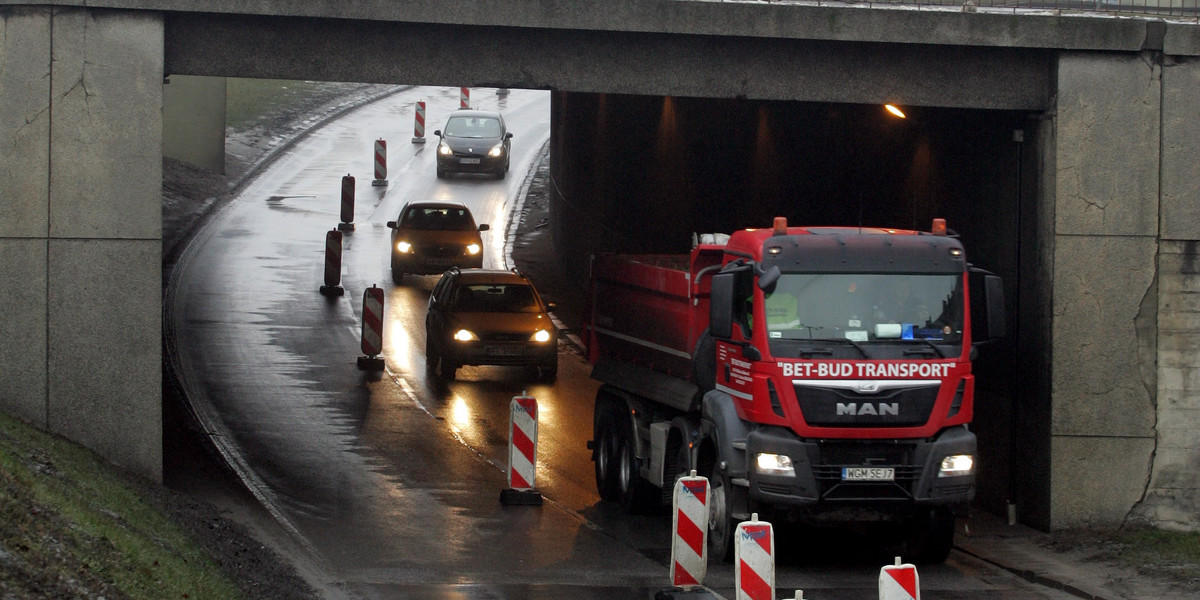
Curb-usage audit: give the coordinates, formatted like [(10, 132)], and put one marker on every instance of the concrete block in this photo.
[(1103, 340), (1096, 481), (23, 329), (24, 122), (1180, 147), (106, 138), (105, 349), (1107, 128)]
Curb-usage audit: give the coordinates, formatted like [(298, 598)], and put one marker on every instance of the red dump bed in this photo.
[(647, 309)]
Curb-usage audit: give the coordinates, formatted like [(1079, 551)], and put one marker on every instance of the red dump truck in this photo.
[(819, 375)]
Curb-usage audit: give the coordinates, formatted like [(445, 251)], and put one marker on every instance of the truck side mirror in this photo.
[(993, 288), (720, 305)]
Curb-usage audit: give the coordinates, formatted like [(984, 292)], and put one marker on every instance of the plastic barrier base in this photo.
[(382, 182), (370, 363), (418, 140), (687, 593), (521, 497), (345, 226), (332, 290)]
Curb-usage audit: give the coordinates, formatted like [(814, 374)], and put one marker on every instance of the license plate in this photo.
[(504, 350), (439, 262), (468, 161), (868, 474)]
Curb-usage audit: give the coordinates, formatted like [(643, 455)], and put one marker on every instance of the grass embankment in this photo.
[(247, 100), (72, 526)]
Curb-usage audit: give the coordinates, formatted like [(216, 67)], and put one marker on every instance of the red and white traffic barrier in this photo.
[(372, 329), (347, 223), (464, 97), (380, 163), (419, 124), (522, 453), (333, 264), (689, 542), (754, 560), (899, 582)]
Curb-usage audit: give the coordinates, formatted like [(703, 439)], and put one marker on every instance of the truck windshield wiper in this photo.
[(856, 345), (922, 350)]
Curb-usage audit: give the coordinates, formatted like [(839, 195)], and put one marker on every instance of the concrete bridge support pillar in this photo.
[(1106, 156), (81, 233)]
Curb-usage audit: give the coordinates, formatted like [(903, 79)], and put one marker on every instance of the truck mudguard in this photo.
[(720, 412)]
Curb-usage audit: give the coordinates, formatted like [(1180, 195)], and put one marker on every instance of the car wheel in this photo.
[(431, 355), (397, 276), (445, 369), (500, 174), (549, 371), (441, 173)]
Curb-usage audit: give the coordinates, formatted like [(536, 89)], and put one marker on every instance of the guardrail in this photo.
[(1185, 10)]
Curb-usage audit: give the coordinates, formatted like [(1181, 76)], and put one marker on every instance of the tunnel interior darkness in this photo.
[(643, 173)]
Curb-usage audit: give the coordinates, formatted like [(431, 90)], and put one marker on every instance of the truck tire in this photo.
[(721, 526), (637, 495), (930, 539), (607, 444), (704, 366)]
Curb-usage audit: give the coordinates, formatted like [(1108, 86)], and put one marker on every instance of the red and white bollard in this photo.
[(419, 124), (380, 163), (899, 582), (754, 560), (333, 264), (464, 97), (347, 223), (689, 542), (372, 329), (522, 453)]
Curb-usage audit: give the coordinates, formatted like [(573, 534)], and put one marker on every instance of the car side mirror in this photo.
[(484, 227), (437, 132), (551, 306), (391, 224), (508, 136)]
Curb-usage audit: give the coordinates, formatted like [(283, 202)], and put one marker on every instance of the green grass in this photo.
[(1159, 546), (247, 100), (71, 525)]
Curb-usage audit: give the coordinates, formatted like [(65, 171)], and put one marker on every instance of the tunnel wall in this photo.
[(194, 121), (80, 244)]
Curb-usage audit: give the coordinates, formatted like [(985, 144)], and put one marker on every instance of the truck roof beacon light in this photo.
[(780, 226), (939, 227)]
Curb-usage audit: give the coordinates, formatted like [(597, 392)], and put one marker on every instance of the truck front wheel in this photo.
[(930, 539), (720, 515)]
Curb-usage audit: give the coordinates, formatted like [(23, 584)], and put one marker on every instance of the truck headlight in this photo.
[(775, 464), (472, 249), (403, 247), (956, 465)]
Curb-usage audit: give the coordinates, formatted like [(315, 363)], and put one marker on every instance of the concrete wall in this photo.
[(1104, 288), (194, 121), (1174, 487), (80, 244)]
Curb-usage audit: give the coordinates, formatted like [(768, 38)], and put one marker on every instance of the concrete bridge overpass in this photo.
[(1062, 147)]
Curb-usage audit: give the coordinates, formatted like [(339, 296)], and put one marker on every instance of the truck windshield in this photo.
[(865, 307)]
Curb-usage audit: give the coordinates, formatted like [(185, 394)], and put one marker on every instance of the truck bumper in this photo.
[(818, 483)]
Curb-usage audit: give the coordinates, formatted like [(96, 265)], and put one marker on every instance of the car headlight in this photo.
[(775, 464), (497, 150), (955, 465), (444, 149), (403, 247), (472, 249), (541, 336), (465, 335)]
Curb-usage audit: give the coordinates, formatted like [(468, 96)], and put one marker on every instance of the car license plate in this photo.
[(868, 474), (504, 350), (468, 161), (439, 262)]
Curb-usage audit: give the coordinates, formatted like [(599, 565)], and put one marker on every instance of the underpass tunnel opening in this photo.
[(643, 173)]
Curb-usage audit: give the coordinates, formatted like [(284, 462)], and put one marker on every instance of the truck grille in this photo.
[(830, 458), (844, 407)]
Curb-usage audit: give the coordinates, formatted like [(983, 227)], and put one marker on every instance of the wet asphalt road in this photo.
[(392, 479)]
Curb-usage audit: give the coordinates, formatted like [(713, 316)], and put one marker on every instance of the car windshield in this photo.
[(500, 298), (473, 127), (863, 307), (438, 218)]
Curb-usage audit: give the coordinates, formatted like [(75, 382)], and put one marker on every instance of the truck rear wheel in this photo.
[(637, 495), (606, 459)]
